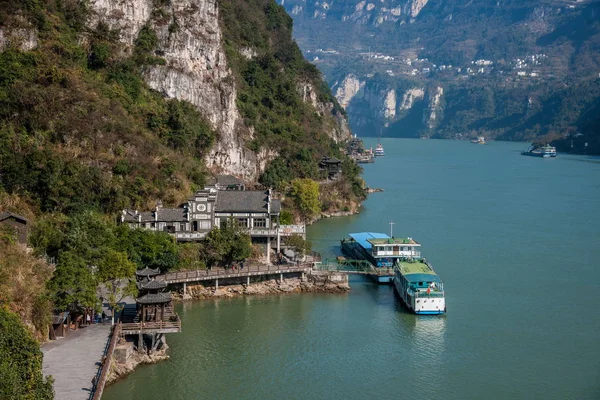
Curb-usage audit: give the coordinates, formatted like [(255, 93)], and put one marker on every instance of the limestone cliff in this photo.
[(409, 98), (349, 88), (24, 37), (357, 11), (433, 112), (190, 40), (376, 106)]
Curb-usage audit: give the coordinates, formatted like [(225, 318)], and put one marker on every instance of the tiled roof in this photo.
[(133, 215), (275, 206), (147, 272), (164, 215), (242, 201), (151, 285), (154, 298), (330, 160), (6, 215), (226, 180), (147, 216), (129, 215), (170, 214)]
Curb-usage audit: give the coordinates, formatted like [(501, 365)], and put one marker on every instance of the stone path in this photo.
[(74, 360)]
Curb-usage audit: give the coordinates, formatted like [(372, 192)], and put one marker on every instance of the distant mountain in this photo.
[(504, 69)]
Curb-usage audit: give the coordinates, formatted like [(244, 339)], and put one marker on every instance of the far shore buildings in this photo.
[(255, 210)]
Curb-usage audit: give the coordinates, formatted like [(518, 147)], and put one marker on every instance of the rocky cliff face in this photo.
[(196, 70), (374, 107), (20, 34), (357, 11), (432, 116)]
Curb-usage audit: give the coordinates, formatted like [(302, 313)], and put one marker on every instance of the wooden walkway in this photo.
[(100, 378), (73, 361), (134, 328), (221, 273)]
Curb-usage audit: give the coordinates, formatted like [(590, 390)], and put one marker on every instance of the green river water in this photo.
[(515, 240)]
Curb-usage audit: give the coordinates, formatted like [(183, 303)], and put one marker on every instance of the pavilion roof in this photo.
[(154, 298), (147, 272), (147, 284)]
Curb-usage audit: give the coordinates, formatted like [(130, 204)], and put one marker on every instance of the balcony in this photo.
[(185, 236), (284, 230)]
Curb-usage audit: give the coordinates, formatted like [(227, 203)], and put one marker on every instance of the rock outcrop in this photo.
[(349, 88), (433, 113), (120, 370), (20, 34), (409, 98)]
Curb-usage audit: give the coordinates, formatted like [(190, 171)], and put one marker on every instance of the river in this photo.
[(515, 240)]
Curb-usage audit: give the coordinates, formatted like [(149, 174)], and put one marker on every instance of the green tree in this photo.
[(227, 244), (148, 248), (190, 256), (89, 235), (298, 244), (286, 217), (48, 234), (305, 193), (72, 284), (116, 274), (21, 375)]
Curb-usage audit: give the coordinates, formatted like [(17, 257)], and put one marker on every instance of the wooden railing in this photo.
[(102, 374), (215, 273), (152, 325)]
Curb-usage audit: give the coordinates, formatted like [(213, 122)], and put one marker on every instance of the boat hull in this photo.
[(383, 279)]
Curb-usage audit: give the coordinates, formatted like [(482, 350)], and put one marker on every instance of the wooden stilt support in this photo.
[(152, 343), (140, 346)]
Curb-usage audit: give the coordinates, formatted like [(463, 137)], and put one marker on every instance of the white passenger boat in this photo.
[(419, 287)]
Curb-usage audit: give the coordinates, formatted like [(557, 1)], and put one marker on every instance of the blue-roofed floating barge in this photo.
[(382, 251)]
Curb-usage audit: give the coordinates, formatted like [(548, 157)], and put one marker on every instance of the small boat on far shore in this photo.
[(479, 140)]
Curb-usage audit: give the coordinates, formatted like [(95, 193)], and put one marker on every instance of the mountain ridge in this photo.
[(504, 67)]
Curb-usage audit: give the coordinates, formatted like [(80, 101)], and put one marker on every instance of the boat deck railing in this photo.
[(352, 266), (431, 294)]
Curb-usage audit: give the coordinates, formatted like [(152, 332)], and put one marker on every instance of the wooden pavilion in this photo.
[(154, 315)]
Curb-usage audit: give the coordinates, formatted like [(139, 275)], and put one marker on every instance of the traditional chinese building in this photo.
[(331, 168), (154, 315), (257, 211)]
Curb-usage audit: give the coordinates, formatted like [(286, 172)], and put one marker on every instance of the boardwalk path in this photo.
[(73, 361)]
